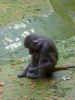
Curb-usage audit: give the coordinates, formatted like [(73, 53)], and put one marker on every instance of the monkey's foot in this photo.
[(33, 75), (21, 75)]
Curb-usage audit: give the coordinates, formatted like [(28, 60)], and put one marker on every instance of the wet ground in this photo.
[(61, 86)]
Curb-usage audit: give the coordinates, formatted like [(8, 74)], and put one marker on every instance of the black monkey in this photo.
[(44, 57)]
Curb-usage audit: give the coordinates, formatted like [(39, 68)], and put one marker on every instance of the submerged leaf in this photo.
[(25, 97), (1, 90), (2, 83)]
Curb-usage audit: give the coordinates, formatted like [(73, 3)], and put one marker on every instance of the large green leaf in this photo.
[(66, 9), (11, 37)]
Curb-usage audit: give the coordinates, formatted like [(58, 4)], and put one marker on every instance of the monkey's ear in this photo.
[(35, 41)]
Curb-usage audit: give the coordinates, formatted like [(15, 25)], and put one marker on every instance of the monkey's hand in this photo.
[(23, 74)]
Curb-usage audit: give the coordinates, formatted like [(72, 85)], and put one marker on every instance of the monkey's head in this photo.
[(33, 43)]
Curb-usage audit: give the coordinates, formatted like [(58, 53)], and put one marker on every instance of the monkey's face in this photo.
[(34, 49), (31, 50), (32, 44)]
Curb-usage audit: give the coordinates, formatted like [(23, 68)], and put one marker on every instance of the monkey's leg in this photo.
[(34, 63), (23, 74), (42, 72), (34, 60), (46, 65), (45, 69)]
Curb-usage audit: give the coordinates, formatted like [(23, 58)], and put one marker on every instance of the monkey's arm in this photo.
[(23, 74), (51, 61), (42, 66)]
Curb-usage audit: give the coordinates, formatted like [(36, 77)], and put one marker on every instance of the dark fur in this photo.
[(44, 57)]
